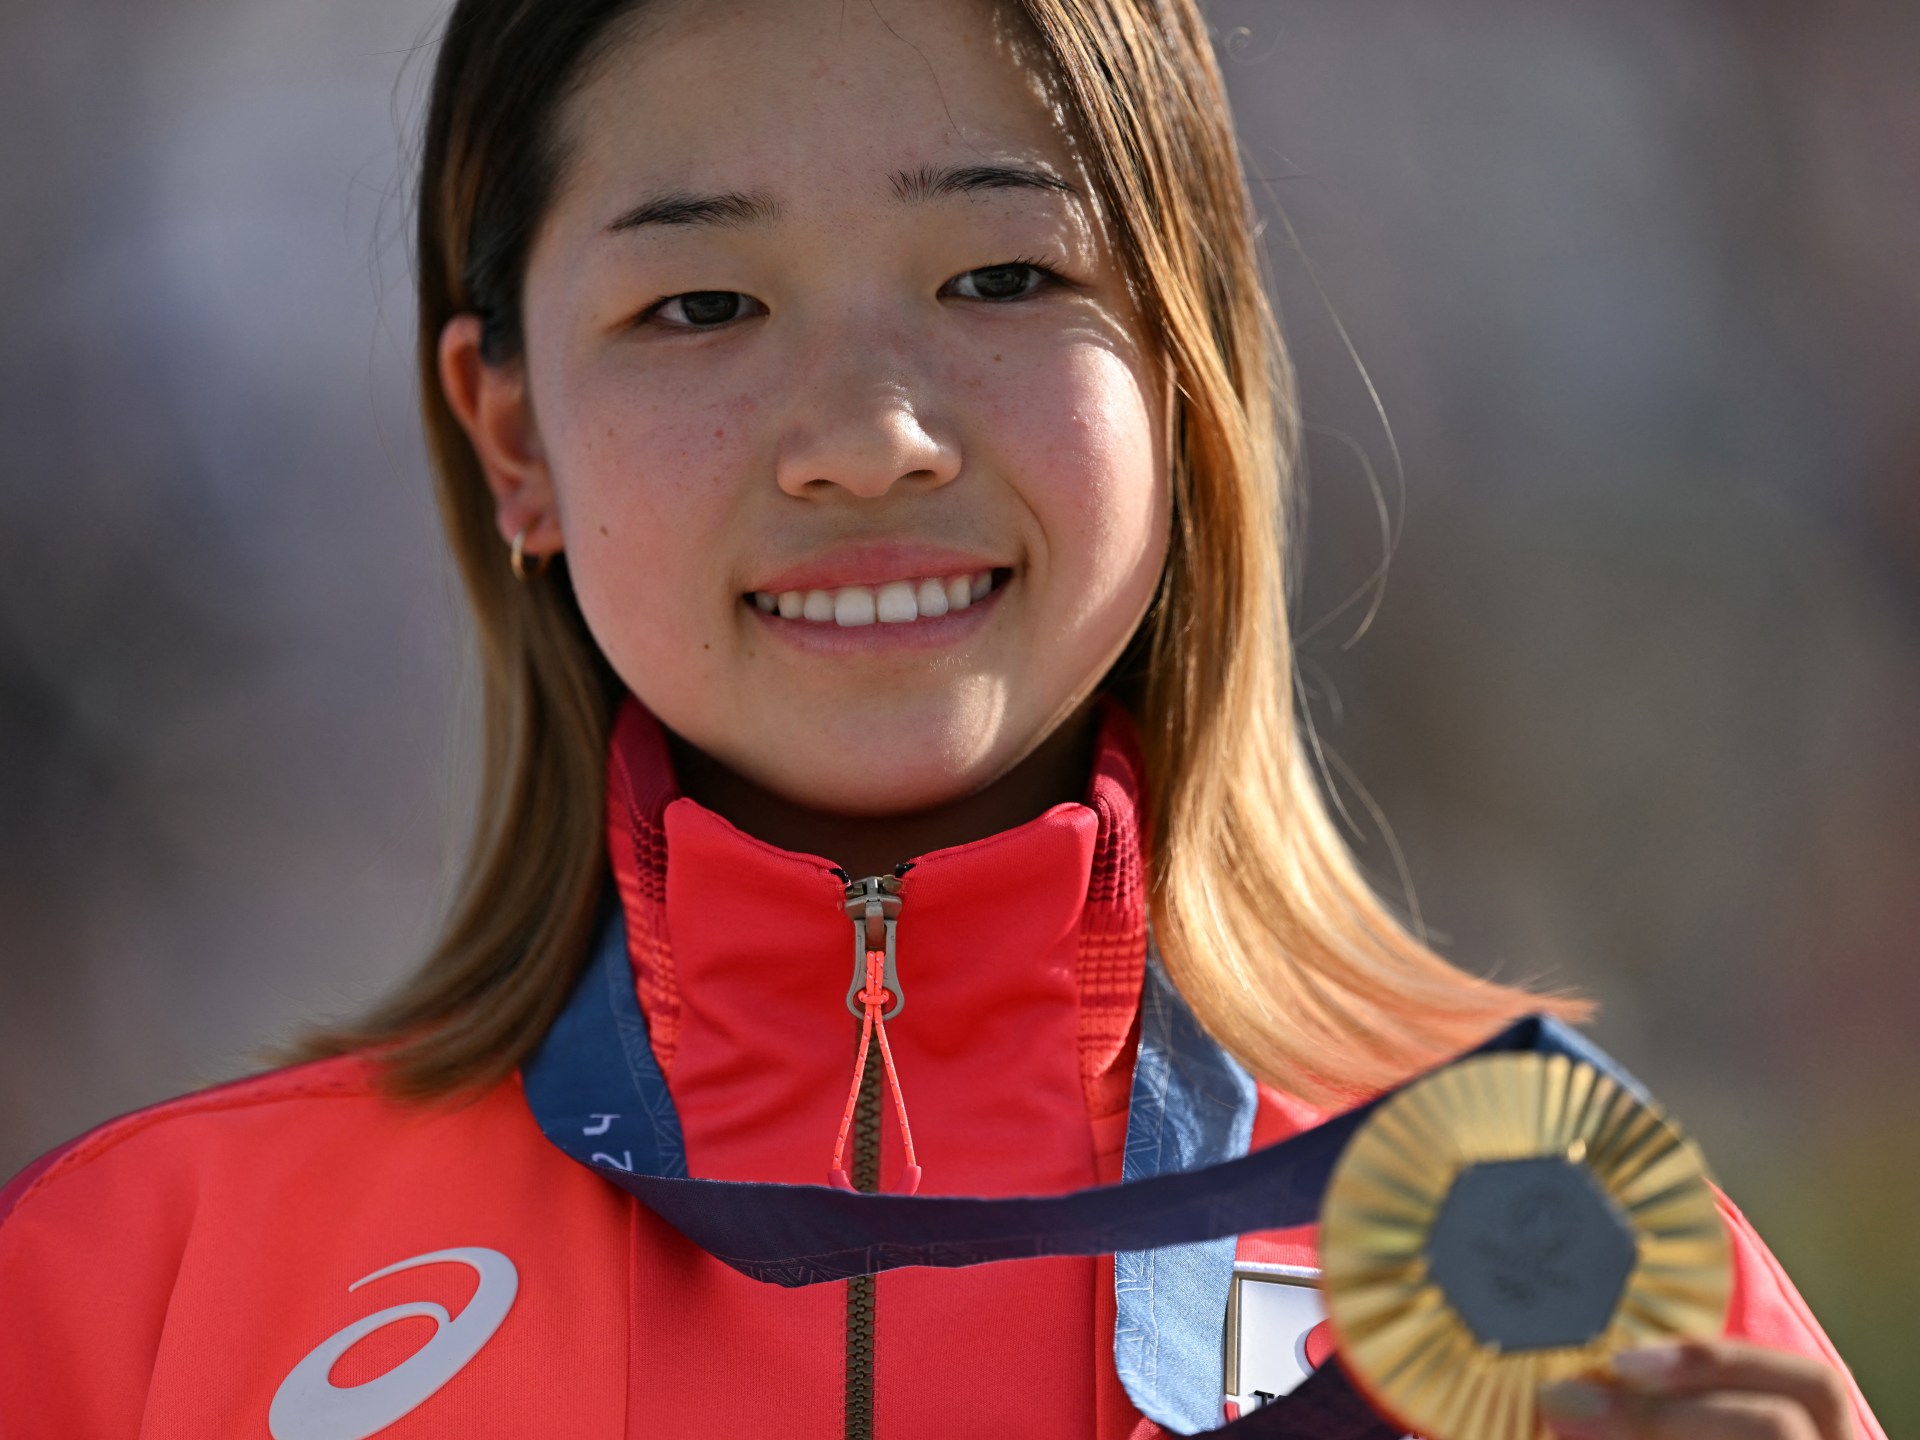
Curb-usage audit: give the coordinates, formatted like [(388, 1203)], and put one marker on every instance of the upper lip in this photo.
[(875, 563)]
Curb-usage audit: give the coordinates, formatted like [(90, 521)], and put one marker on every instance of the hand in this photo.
[(1723, 1390)]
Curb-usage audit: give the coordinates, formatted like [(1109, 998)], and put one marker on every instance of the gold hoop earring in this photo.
[(518, 559)]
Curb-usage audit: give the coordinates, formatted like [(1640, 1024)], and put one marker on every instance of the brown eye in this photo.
[(1001, 282), (701, 309)]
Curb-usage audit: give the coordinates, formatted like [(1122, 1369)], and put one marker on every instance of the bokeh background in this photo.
[(1638, 286)]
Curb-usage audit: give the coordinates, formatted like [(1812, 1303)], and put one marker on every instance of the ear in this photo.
[(492, 405)]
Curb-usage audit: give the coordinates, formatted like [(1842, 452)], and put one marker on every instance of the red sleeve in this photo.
[(1767, 1310)]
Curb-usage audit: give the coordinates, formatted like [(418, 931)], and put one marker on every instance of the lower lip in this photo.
[(818, 637)]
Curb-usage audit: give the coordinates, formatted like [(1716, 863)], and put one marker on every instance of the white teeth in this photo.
[(894, 603), (898, 602), (853, 606)]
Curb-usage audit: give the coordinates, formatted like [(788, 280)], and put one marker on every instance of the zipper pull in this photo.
[(873, 905), (874, 997)]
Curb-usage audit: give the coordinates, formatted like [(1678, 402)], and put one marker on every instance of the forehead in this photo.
[(825, 96)]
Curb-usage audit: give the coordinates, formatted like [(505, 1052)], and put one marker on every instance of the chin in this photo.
[(895, 752), (881, 782)]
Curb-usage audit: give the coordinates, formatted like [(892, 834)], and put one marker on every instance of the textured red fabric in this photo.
[(1111, 959), (640, 785)]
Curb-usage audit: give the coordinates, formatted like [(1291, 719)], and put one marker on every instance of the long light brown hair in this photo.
[(1267, 926)]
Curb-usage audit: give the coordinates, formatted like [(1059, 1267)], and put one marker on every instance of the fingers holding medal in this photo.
[(1704, 1390)]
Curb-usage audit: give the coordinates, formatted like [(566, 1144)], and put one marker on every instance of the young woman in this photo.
[(865, 445)]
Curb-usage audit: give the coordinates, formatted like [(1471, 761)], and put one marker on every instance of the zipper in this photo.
[(873, 906)]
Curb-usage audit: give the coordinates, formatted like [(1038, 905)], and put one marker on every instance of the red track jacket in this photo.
[(295, 1256)]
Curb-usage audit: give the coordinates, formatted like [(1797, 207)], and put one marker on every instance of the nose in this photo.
[(863, 428)]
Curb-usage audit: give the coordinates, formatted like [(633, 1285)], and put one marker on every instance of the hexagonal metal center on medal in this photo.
[(1531, 1254)]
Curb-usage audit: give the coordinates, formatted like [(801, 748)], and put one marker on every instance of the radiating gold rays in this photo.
[(1399, 1335)]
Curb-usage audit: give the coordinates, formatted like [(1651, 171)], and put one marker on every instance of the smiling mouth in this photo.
[(898, 602)]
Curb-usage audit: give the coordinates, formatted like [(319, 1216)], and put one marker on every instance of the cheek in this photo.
[(647, 461), (646, 483), (1088, 449)]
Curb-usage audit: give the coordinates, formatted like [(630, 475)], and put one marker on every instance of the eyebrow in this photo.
[(681, 207), (930, 182), (738, 208)]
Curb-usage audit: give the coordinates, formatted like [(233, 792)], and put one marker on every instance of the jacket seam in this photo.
[(113, 1133)]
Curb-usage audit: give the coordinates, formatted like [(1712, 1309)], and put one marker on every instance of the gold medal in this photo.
[(1510, 1221)]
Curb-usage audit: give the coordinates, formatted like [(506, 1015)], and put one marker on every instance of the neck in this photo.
[(1055, 773)]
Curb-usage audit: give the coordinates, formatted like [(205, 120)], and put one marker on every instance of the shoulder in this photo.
[(169, 1137), (274, 1161), (256, 1154), (1767, 1309), (95, 1236), (238, 1221)]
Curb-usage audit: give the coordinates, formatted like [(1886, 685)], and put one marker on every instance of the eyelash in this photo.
[(1045, 269)]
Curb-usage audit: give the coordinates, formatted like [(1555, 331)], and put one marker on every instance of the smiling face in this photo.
[(833, 394)]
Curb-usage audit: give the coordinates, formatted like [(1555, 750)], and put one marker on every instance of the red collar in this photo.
[(1020, 959)]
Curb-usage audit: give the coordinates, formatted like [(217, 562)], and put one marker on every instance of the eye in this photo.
[(701, 309), (1014, 280)]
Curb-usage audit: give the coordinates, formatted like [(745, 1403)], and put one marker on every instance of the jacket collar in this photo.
[(735, 940)]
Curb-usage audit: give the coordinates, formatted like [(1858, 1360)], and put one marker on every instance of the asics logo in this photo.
[(309, 1406)]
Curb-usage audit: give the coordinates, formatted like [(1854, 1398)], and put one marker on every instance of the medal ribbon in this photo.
[(1188, 1189)]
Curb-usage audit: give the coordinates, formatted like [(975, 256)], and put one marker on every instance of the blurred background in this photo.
[(1636, 285)]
